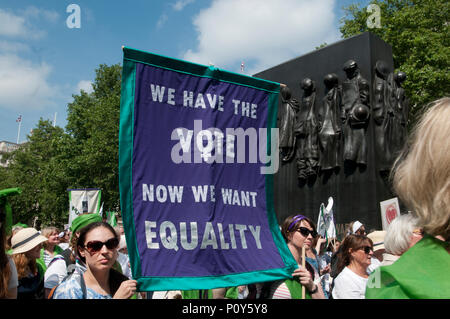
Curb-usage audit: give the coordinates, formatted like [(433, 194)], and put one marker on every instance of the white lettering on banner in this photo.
[(213, 236), (233, 197), (149, 193), (161, 94), (174, 194)]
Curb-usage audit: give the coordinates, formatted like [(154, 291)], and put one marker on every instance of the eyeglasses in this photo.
[(305, 232), (96, 245), (367, 249)]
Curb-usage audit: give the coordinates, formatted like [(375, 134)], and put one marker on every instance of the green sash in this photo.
[(231, 293), (295, 289), (56, 251), (422, 272), (197, 294)]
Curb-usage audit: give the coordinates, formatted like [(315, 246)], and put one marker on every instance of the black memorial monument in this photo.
[(342, 118)]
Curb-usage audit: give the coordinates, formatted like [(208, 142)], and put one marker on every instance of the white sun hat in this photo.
[(25, 240)]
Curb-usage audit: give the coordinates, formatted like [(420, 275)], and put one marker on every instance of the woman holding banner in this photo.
[(97, 247), (298, 232)]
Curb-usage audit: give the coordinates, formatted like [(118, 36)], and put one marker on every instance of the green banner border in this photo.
[(131, 57)]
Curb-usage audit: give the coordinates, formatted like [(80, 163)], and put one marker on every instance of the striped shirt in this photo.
[(279, 290)]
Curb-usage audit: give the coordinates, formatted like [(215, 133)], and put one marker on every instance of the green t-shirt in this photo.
[(422, 272), (295, 289)]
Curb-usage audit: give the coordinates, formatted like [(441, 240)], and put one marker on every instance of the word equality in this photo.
[(215, 235), (161, 94), (201, 194)]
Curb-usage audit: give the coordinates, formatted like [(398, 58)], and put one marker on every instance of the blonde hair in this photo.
[(421, 174), (47, 231)]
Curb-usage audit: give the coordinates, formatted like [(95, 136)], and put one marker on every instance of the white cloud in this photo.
[(13, 47), (264, 32), (24, 85), (85, 85), (180, 4), (161, 21), (47, 15), (21, 26), (12, 25)]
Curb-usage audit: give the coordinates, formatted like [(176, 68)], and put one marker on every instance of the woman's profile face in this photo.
[(362, 257), (103, 258), (53, 238)]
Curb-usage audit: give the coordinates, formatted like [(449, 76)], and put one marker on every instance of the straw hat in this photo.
[(25, 240), (377, 239)]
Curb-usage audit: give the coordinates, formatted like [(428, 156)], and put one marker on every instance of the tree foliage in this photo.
[(85, 155), (418, 31)]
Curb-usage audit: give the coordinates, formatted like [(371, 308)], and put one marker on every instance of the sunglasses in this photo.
[(96, 245), (367, 249), (305, 232)]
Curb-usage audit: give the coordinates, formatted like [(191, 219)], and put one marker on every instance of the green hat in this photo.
[(20, 225), (84, 220)]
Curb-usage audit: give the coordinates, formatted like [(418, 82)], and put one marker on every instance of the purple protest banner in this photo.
[(195, 157)]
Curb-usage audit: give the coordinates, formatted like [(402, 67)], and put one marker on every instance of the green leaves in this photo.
[(83, 156), (418, 31)]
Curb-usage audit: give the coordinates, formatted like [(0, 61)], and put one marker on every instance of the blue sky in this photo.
[(43, 61)]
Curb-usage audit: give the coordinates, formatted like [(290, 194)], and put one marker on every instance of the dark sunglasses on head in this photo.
[(367, 249), (305, 232), (96, 245)]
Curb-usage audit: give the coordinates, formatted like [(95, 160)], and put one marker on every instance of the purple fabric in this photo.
[(153, 165)]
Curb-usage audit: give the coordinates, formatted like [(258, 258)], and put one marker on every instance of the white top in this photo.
[(13, 281), (124, 262), (374, 264), (64, 246), (349, 285), (55, 273)]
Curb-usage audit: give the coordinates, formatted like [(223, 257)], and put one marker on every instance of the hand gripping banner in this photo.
[(194, 167)]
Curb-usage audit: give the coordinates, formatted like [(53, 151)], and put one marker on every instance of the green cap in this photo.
[(84, 220)]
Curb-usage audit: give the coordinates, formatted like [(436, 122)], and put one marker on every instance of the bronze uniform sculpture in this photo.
[(355, 114), (289, 107), (329, 124), (306, 131)]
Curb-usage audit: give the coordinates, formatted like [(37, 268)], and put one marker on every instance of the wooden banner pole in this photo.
[(303, 266)]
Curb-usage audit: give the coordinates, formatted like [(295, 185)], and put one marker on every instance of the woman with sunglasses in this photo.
[(298, 232), (355, 256), (97, 247)]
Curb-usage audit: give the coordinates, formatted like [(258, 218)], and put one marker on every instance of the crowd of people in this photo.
[(409, 260)]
